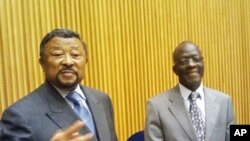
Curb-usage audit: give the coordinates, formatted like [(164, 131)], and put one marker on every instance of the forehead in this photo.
[(186, 50), (61, 42)]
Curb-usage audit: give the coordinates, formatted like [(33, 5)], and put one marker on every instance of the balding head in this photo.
[(188, 64)]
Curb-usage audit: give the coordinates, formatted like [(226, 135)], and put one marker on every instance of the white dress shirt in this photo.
[(185, 92), (83, 102)]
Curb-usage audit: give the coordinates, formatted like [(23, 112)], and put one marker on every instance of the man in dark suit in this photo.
[(48, 113), (170, 114)]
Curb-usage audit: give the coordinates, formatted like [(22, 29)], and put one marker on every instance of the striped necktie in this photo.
[(81, 110), (195, 114)]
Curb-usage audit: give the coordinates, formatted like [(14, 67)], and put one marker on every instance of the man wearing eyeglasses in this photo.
[(189, 111)]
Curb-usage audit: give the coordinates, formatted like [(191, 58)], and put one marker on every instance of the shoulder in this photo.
[(87, 89), (90, 89), (28, 105), (34, 102), (96, 96), (30, 99), (92, 92), (165, 96), (216, 93)]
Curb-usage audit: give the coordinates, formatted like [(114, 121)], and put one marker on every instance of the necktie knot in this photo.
[(74, 97), (193, 96)]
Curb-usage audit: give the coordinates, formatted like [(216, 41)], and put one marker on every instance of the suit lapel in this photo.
[(212, 112), (60, 111), (98, 114), (179, 111)]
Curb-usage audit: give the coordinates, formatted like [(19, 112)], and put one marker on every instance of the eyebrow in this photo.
[(191, 55), (58, 47)]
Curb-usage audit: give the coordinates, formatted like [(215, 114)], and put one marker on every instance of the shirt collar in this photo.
[(185, 92), (64, 92)]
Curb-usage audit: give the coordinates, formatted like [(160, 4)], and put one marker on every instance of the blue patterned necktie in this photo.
[(195, 113), (81, 110)]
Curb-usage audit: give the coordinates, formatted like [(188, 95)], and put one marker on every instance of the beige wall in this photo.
[(130, 43)]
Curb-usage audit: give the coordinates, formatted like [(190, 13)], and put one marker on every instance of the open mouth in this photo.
[(193, 73), (67, 74)]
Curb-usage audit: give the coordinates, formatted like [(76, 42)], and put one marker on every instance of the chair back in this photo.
[(138, 136)]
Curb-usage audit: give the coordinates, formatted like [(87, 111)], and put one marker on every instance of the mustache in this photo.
[(67, 70)]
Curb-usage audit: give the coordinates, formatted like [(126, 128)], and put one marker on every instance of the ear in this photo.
[(87, 59), (41, 61), (175, 70)]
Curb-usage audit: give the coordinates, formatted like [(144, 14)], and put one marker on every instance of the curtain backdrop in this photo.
[(130, 45)]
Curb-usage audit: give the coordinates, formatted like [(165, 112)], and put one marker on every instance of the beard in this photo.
[(66, 83)]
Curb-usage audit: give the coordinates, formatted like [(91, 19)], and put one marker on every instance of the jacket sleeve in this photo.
[(14, 126), (230, 118), (153, 129)]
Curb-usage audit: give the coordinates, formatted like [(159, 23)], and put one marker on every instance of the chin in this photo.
[(194, 82), (68, 87), (67, 84)]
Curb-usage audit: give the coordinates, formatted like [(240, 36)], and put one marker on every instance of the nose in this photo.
[(67, 60), (191, 62)]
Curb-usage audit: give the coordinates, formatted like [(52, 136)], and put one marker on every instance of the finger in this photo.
[(58, 136), (74, 128), (86, 137), (74, 135)]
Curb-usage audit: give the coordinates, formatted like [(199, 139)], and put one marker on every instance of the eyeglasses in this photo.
[(194, 59)]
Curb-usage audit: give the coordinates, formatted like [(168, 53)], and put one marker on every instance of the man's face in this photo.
[(64, 62), (189, 65)]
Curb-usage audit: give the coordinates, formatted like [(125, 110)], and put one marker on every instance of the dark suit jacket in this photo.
[(40, 114), (167, 118)]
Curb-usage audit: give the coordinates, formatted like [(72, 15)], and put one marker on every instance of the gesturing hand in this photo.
[(72, 133)]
